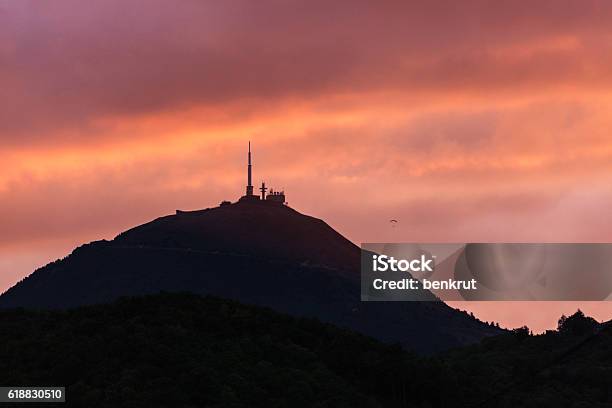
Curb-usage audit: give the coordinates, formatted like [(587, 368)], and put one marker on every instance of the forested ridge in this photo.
[(183, 350)]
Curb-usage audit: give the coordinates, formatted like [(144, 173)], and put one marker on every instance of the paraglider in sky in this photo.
[(393, 223)]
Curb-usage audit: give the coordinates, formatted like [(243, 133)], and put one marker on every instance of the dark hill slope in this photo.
[(182, 350), (256, 253), (176, 350), (258, 229), (565, 368)]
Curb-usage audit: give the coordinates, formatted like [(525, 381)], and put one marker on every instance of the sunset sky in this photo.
[(466, 121)]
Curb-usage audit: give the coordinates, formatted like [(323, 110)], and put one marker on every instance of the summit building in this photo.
[(272, 196)]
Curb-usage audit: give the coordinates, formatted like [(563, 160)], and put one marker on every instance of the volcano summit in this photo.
[(257, 251)]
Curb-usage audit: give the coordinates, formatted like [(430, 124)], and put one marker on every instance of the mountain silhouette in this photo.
[(256, 252)]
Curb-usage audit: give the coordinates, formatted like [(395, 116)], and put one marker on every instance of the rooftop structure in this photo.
[(272, 197)]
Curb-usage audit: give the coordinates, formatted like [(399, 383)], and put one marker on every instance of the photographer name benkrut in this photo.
[(383, 263)]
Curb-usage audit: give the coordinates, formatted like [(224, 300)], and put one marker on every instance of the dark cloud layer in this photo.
[(66, 63)]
